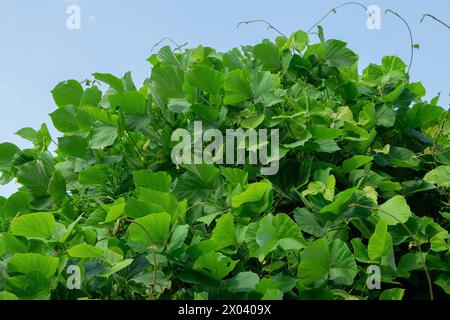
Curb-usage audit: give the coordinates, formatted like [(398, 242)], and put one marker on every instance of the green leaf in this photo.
[(91, 97), (166, 55), (115, 211), (215, 265), (335, 53), (68, 93), (111, 80), (301, 40), (385, 116), (288, 233), (85, 251), (65, 118), (392, 294), (34, 225), (75, 146), (342, 269), (33, 262), (178, 237), (32, 285), (166, 202), (133, 103), (168, 81), (355, 162), (422, 115), (252, 121), (266, 237), (179, 105), (263, 85), (443, 281), (7, 296), (102, 137), (260, 238), (18, 202), (394, 211), (116, 268), (159, 181), (439, 241), (411, 261), (198, 182), (322, 260), (152, 229), (35, 176), (439, 176), (11, 244), (269, 54), (242, 282), (57, 187), (403, 158), (138, 209), (256, 198), (360, 251), (224, 234), (100, 114), (377, 242), (324, 133), (237, 87), (205, 79), (308, 222), (95, 175), (7, 152), (315, 261), (273, 294)]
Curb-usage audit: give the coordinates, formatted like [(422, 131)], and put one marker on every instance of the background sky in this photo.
[(37, 50)]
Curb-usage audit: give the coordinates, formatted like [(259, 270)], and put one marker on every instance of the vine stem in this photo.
[(333, 10), (178, 46), (128, 136), (184, 212), (441, 129), (427, 274), (269, 25), (411, 55), (433, 17), (155, 270), (153, 250), (72, 201)]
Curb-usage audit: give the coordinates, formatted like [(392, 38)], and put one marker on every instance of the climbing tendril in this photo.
[(334, 10), (177, 46), (411, 56), (436, 19), (269, 25)]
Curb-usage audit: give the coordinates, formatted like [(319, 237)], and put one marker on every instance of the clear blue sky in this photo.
[(37, 50)]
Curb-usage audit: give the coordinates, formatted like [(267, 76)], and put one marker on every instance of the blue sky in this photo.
[(37, 50)]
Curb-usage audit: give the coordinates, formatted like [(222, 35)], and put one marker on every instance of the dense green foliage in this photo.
[(364, 180)]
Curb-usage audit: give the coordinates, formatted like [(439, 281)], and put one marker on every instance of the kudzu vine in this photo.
[(362, 184)]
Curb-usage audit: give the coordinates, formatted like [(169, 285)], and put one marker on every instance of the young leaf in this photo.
[(85, 251), (394, 211), (152, 229), (215, 265), (68, 93), (377, 241), (34, 225), (33, 262)]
